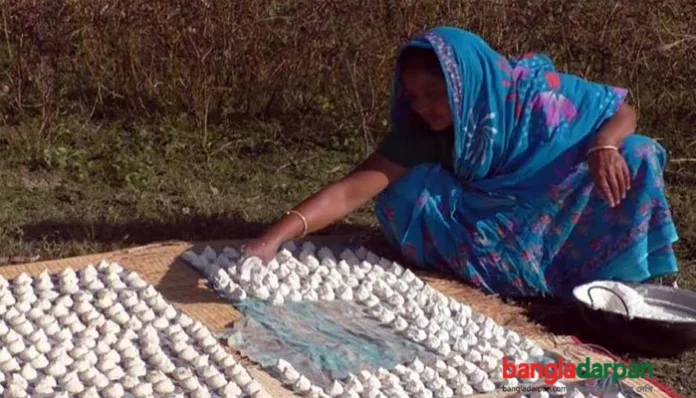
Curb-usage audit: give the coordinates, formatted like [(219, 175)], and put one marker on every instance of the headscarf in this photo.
[(511, 117)]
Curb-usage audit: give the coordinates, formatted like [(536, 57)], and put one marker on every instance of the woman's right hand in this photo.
[(327, 206), (261, 248)]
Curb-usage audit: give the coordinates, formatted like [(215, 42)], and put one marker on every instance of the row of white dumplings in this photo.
[(392, 295), (107, 332), (414, 380)]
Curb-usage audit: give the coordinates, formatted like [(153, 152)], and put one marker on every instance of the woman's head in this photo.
[(424, 87)]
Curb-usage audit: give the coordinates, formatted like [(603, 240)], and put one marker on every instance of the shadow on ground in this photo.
[(566, 319), (558, 318), (563, 319), (195, 228)]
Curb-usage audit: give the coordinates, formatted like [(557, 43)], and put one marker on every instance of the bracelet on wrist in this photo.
[(304, 222), (601, 148)]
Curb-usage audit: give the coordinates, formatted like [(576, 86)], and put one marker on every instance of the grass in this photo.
[(130, 122), (108, 195)]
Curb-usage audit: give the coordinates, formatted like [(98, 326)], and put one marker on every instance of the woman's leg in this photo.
[(632, 242), (401, 210), (436, 223), (654, 232)]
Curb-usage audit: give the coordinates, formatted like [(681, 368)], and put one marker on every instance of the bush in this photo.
[(314, 65)]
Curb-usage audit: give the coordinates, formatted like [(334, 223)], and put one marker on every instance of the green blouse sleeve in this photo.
[(409, 149)]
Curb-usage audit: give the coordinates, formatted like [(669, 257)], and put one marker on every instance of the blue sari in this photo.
[(519, 215)]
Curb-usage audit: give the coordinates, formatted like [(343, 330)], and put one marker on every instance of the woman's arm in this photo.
[(616, 129), (330, 204), (608, 167)]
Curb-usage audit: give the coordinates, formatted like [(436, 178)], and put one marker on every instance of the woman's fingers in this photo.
[(601, 182), (614, 186), (605, 190), (627, 177), (623, 179), (611, 176)]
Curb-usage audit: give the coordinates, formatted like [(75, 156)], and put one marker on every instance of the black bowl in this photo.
[(644, 336)]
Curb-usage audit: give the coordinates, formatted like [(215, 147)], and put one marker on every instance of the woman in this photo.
[(521, 180)]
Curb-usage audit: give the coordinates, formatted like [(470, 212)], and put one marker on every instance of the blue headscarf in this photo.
[(511, 118)]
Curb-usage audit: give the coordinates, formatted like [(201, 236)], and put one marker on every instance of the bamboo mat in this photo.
[(160, 264)]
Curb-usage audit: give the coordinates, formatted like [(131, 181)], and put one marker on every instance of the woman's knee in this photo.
[(409, 186), (642, 147), (641, 151), (399, 199)]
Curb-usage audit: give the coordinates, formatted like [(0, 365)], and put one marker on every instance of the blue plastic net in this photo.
[(323, 340), (327, 340)]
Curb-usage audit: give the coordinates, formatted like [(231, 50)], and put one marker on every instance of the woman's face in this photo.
[(427, 94)]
